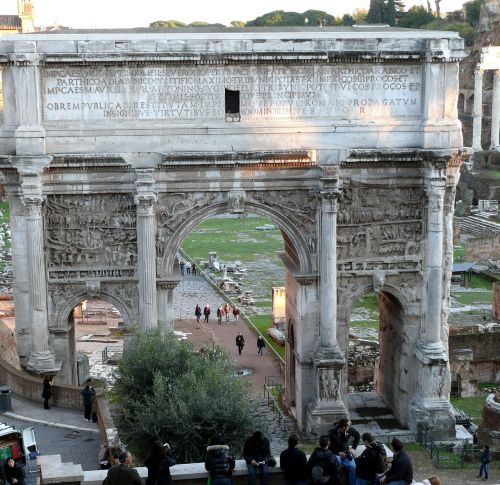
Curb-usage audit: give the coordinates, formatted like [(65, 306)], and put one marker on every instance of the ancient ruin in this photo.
[(117, 144)]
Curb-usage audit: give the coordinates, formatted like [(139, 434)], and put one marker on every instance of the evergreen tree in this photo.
[(375, 12), (390, 13)]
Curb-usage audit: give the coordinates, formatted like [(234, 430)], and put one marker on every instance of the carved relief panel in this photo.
[(380, 228), (90, 236)]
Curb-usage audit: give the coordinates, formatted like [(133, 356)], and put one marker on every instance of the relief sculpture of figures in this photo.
[(109, 238), (329, 384), (236, 203)]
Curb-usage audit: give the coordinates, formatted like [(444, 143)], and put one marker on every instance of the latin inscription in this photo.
[(196, 94)]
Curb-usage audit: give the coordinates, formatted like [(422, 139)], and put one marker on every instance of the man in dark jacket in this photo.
[(339, 438), (257, 454), (401, 471), (293, 462), (366, 463), (88, 394), (322, 467), (219, 462), (122, 474)]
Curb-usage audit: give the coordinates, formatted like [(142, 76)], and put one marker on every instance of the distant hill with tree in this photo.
[(387, 12)]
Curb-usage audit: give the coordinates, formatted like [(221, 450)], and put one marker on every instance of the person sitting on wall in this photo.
[(14, 475), (123, 474), (339, 445), (257, 454), (401, 471), (219, 462)]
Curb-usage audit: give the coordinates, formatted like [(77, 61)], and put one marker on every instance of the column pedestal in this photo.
[(166, 304)]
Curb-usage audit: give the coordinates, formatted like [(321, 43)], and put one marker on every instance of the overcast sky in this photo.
[(140, 13)]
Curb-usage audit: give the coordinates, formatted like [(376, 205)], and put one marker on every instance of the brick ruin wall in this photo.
[(485, 247)]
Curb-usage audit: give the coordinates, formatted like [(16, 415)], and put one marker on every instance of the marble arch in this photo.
[(114, 144)]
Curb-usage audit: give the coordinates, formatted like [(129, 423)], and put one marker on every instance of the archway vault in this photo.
[(299, 235)]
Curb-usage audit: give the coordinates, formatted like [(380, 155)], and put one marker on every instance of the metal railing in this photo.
[(455, 455), (243, 315), (272, 392), (111, 354)]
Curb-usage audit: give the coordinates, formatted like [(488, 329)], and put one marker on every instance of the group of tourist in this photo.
[(187, 268), (222, 311), (333, 462)]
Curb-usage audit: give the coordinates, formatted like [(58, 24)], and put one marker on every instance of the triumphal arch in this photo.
[(117, 144)]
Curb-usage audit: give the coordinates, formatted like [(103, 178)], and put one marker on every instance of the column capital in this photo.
[(329, 200), (145, 203)]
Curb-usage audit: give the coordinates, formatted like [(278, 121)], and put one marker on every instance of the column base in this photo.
[(435, 417), (321, 416), (431, 353), (43, 363)]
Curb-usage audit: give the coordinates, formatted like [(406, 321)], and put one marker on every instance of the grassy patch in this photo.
[(364, 323), (479, 281), (487, 385), (473, 298), (262, 323), (369, 302), (473, 406), (233, 239), (458, 252)]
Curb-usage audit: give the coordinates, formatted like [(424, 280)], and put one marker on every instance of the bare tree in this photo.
[(438, 8)]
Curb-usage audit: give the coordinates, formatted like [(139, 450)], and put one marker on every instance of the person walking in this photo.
[(158, 463), (47, 390), (182, 264), (14, 475), (206, 312), (293, 462), (257, 455), (260, 345), (193, 268), (366, 463), (88, 393), (401, 471), (197, 313), (236, 314), (188, 268), (485, 462), (240, 342), (220, 314), (123, 474), (322, 466), (219, 462), (227, 311)]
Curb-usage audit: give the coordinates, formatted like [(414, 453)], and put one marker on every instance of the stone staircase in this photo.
[(477, 226)]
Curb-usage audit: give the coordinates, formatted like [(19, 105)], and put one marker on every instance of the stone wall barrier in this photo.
[(30, 387), (55, 472)]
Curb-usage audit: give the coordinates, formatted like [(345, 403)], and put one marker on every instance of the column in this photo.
[(434, 189), (166, 305), (41, 359), (478, 110), (146, 260), (328, 360), (495, 113), (328, 270)]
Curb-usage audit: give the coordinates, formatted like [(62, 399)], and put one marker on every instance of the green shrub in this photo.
[(166, 390)]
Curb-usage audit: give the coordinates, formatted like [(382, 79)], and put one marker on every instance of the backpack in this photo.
[(381, 459), (317, 476)]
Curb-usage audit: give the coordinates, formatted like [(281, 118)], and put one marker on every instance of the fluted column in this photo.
[(328, 270), (495, 113), (478, 110), (41, 357), (146, 260), (434, 189)]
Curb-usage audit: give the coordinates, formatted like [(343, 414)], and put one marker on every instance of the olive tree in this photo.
[(166, 390)]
